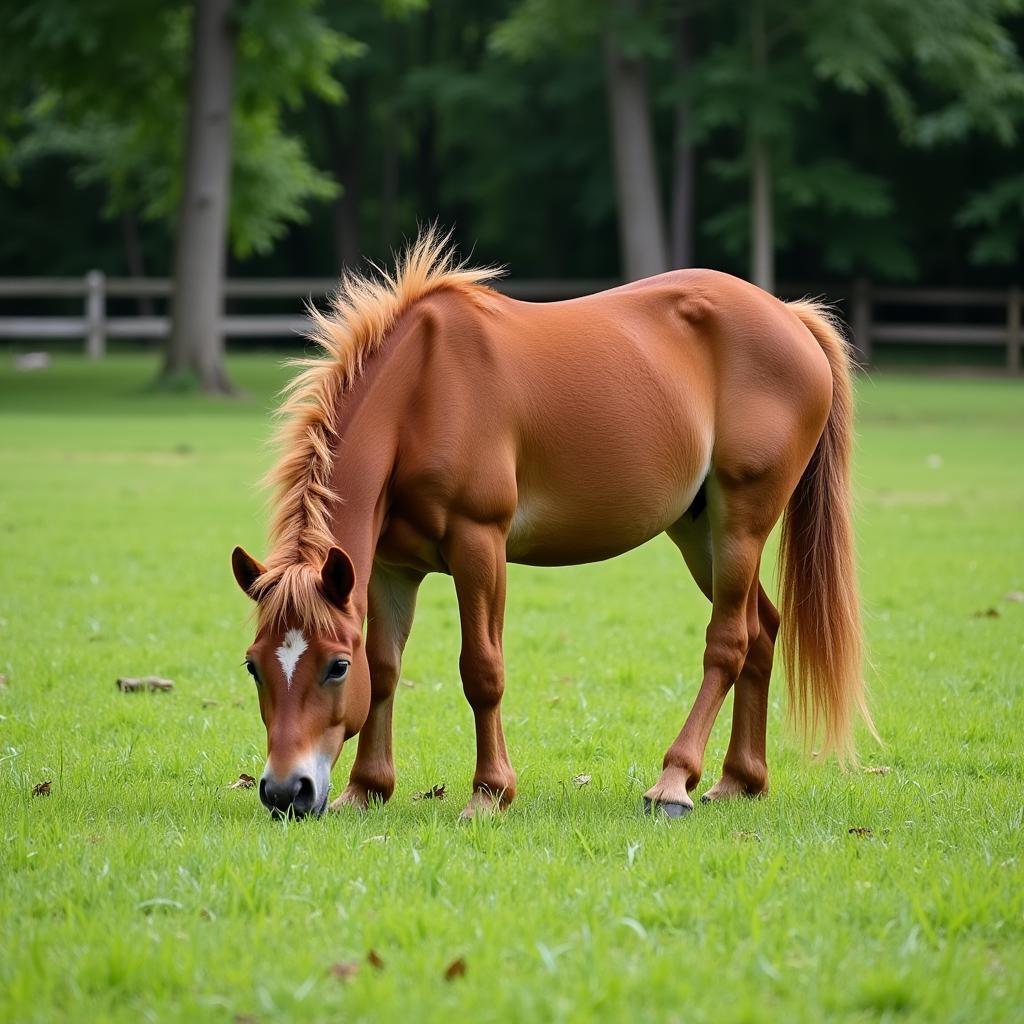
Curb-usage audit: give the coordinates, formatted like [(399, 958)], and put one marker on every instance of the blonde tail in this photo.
[(820, 632)]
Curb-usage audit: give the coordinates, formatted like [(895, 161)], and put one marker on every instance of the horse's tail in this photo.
[(820, 609)]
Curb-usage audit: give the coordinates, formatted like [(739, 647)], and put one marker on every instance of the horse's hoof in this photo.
[(670, 809)]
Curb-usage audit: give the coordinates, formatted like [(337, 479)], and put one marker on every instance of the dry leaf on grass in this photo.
[(456, 969), (209, 702), (860, 830), (581, 780), (434, 793), (1016, 596), (986, 613), (747, 836), (345, 969), (41, 788), (243, 782), (131, 684), (374, 959), (877, 769), (3, 681)]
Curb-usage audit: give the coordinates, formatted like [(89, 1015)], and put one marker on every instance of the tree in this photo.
[(641, 226), (195, 344), (946, 70), (105, 86), (628, 34), (681, 226)]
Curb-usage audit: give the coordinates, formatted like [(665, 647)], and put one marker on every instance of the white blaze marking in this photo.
[(290, 651)]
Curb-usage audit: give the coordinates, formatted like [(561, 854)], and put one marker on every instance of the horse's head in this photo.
[(310, 671)]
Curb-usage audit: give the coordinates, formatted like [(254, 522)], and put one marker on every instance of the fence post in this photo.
[(1013, 330), (95, 314), (860, 320)]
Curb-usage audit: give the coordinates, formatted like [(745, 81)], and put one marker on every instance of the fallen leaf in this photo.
[(434, 793), (747, 836), (3, 681), (209, 702), (246, 1018), (988, 613), (41, 788), (581, 780), (456, 969), (409, 683), (243, 782), (373, 958), (860, 830), (130, 684), (877, 769), (1016, 596), (345, 969)]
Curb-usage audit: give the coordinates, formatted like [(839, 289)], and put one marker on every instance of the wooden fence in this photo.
[(868, 310)]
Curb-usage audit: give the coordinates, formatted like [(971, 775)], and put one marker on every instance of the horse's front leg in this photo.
[(391, 605), (476, 559)]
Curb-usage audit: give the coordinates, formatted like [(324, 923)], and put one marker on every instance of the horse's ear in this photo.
[(246, 569), (338, 577)]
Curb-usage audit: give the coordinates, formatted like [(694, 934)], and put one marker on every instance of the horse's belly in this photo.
[(572, 519)]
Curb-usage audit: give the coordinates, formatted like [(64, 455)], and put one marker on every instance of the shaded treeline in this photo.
[(564, 138)]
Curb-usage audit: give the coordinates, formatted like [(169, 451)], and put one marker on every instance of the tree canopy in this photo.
[(893, 131)]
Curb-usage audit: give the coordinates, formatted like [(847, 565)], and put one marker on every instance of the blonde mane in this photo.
[(361, 315)]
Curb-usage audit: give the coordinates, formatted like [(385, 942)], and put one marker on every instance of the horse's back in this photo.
[(600, 417)]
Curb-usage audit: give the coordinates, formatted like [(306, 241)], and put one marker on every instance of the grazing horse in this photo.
[(445, 427)]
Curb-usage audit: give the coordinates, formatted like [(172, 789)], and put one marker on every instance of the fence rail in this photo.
[(863, 302)]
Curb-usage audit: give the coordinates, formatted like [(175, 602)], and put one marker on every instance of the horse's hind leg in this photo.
[(745, 769), (742, 509)]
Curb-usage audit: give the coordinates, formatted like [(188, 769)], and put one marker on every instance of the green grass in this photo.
[(143, 889)]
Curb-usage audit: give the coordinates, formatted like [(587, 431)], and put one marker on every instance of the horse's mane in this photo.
[(362, 313)]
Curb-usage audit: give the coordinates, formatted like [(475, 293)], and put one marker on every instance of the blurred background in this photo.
[(175, 174)]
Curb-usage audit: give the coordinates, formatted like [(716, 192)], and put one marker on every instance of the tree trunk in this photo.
[(762, 243), (641, 231), (196, 346), (681, 228)]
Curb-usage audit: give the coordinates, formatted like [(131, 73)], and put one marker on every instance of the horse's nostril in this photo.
[(305, 795)]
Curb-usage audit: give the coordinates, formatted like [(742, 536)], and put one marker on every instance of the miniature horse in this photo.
[(447, 428)]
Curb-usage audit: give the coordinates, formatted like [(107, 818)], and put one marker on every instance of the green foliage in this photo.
[(948, 69), (881, 116), (142, 888), (534, 28), (105, 86), (999, 212)]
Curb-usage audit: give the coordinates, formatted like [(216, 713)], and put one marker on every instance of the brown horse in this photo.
[(448, 428)]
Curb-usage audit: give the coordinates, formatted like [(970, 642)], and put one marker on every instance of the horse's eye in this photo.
[(250, 667), (336, 671)]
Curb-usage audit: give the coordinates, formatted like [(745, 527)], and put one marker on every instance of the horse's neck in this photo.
[(365, 451)]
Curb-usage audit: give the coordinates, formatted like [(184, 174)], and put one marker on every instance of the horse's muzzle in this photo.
[(294, 797)]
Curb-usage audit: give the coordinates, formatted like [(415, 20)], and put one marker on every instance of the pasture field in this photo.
[(142, 888)]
